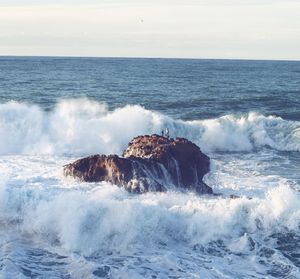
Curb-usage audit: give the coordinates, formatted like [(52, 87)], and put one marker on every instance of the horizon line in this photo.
[(150, 57)]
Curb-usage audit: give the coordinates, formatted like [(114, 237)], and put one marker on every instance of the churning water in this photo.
[(244, 114)]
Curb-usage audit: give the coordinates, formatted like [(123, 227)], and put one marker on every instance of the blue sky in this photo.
[(249, 29)]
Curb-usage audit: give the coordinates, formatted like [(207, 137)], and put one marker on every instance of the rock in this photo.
[(150, 163)]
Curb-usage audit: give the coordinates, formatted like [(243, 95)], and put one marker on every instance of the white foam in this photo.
[(244, 133), (21, 125), (88, 220), (76, 126), (161, 229), (82, 126)]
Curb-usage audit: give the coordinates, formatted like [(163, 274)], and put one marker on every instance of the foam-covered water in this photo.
[(81, 126), (53, 227)]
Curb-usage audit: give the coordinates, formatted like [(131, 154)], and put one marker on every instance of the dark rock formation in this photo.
[(150, 163)]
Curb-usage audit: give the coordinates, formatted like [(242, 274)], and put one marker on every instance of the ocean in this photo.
[(245, 115)]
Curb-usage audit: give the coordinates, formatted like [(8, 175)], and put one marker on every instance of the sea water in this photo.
[(245, 115)]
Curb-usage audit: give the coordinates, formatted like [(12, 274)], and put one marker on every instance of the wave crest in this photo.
[(82, 126), (108, 218)]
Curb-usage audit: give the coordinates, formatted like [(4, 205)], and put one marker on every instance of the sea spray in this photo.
[(82, 127), (90, 220)]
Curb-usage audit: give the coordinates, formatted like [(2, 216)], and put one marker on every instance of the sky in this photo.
[(229, 29)]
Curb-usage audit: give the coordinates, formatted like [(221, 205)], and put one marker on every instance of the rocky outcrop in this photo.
[(150, 163)]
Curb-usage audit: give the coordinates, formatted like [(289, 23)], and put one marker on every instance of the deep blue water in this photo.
[(181, 88)]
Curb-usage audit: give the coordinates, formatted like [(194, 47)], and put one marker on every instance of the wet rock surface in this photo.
[(150, 163)]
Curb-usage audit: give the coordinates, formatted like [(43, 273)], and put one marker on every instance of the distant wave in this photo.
[(82, 126)]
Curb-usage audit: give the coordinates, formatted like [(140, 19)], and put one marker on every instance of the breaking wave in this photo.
[(82, 126), (214, 236), (107, 218)]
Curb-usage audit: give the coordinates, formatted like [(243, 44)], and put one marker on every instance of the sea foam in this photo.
[(106, 218), (82, 126), (156, 233)]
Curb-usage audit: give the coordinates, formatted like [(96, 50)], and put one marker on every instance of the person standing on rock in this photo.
[(162, 133)]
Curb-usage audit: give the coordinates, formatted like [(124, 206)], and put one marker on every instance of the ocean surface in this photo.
[(245, 115)]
